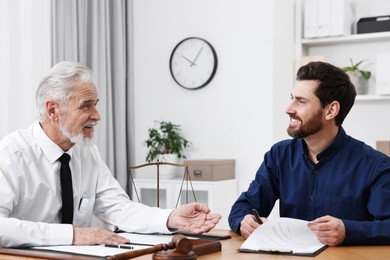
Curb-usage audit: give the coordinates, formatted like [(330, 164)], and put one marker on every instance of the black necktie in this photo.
[(66, 189)]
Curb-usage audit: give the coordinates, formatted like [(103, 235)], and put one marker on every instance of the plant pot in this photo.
[(360, 83), (169, 171)]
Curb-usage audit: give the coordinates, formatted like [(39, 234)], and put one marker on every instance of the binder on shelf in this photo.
[(310, 19), (341, 18), (324, 10), (325, 18)]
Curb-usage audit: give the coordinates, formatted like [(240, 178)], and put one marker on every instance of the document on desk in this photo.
[(284, 236), (96, 250), (137, 241)]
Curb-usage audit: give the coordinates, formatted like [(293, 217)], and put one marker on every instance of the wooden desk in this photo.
[(230, 246)]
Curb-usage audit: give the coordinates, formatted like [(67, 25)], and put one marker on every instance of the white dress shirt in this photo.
[(30, 193)]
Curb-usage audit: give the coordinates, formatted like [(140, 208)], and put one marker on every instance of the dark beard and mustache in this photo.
[(312, 126)]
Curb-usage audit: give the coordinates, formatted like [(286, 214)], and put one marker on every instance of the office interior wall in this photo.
[(233, 116), (239, 115)]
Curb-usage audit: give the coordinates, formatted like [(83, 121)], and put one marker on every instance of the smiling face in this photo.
[(305, 111), (79, 115)]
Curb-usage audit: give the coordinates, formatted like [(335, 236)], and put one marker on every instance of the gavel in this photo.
[(181, 244)]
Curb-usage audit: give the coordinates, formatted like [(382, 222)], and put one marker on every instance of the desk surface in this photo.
[(230, 246)]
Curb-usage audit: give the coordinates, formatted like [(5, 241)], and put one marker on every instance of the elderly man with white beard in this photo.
[(53, 179)]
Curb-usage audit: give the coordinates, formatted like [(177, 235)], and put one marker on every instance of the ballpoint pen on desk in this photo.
[(119, 246), (257, 216)]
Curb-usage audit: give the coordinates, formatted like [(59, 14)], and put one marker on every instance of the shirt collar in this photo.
[(332, 149), (50, 149)]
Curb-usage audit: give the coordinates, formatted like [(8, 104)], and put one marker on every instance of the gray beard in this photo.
[(78, 138)]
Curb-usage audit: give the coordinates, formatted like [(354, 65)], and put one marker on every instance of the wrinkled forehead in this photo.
[(84, 92)]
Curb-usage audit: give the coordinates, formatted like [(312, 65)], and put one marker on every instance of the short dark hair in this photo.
[(334, 85)]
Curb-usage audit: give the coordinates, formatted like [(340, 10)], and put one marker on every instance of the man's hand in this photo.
[(328, 230), (93, 236), (249, 224), (193, 218)]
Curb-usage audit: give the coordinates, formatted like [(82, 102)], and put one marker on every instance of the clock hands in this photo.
[(187, 59), (193, 62), (197, 55)]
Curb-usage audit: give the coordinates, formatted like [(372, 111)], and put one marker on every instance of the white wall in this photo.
[(25, 57), (233, 116)]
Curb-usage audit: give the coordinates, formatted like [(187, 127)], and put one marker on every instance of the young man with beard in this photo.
[(30, 188), (339, 184)]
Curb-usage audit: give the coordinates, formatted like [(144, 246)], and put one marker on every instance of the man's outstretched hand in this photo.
[(193, 218)]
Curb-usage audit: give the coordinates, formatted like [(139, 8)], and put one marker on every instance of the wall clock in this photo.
[(193, 63)]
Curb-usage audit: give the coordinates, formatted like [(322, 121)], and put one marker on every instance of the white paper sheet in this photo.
[(138, 241), (284, 235), (97, 250)]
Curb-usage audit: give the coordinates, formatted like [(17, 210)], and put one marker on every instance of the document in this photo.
[(137, 241), (284, 236), (97, 250)]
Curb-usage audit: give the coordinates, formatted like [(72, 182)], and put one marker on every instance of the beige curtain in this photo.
[(98, 33)]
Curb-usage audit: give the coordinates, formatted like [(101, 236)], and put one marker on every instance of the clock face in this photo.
[(193, 63)]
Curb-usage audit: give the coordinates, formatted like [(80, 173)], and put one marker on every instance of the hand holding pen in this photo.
[(257, 216)]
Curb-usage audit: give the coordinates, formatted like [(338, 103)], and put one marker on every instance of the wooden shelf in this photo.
[(355, 38)]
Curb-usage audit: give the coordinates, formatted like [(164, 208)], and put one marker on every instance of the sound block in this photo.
[(173, 254)]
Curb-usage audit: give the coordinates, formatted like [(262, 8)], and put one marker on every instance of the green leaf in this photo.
[(355, 69)]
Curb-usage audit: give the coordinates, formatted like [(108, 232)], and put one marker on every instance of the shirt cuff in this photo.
[(354, 232), (161, 221), (59, 234)]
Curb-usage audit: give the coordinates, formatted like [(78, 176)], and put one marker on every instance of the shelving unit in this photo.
[(355, 38), (338, 50), (218, 195), (368, 111)]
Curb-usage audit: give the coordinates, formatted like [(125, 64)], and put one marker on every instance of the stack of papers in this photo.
[(285, 236)]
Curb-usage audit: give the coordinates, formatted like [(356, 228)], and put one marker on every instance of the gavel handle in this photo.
[(136, 253)]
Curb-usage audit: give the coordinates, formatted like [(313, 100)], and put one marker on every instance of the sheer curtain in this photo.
[(24, 59), (99, 35)]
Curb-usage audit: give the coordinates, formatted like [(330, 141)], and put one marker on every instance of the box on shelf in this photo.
[(383, 146), (373, 24), (211, 169)]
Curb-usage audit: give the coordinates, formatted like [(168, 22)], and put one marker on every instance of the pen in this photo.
[(257, 216), (81, 200), (119, 246)]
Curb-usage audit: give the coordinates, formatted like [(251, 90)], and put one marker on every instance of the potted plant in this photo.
[(165, 139), (359, 77)]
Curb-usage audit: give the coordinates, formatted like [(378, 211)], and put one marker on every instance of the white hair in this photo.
[(58, 83)]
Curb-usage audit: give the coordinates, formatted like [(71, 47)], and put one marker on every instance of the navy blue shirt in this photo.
[(351, 181)]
